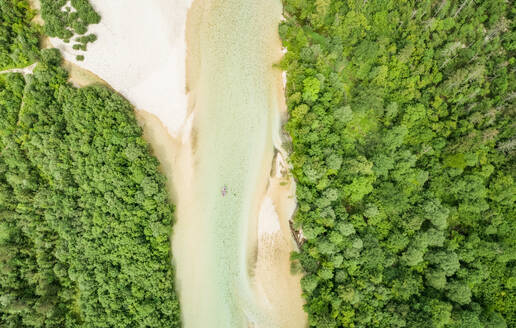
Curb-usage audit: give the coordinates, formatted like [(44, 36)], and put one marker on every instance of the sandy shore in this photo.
[(279, 289)]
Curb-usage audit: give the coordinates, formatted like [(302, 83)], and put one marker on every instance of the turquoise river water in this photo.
[(233, 92)]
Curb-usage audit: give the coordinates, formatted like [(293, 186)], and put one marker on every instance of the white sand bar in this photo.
[(140, 52)]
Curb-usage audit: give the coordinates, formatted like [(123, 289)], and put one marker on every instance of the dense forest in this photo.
[(402, 117), (18, 38), (85, 221)]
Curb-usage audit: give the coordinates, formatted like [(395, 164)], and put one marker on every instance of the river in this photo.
[(233, 91)]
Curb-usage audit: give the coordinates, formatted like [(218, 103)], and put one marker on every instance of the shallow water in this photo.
[(233, 93)]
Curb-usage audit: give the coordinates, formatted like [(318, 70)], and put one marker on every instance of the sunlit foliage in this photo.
[(402, 116), (18, 38)]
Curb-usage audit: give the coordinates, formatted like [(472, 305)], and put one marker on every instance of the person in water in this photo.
[(224, 191)]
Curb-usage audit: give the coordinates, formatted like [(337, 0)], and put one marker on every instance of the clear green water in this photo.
[(235, 102)]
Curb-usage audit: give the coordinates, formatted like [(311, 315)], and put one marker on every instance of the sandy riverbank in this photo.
[(279, 289)]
